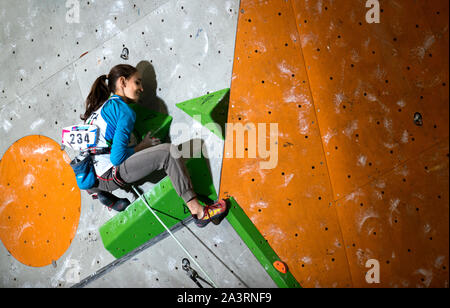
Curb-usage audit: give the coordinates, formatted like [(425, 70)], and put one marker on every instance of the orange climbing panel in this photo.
[(357, 176), (39, 201)]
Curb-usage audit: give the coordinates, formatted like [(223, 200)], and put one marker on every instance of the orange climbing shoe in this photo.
[(214, 213)]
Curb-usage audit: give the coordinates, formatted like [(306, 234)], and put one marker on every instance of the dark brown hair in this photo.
[(101, 89)]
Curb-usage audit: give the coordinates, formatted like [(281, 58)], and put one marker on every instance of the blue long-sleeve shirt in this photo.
[(116, 123)]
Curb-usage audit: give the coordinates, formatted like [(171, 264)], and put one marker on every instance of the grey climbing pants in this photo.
[(161, 157)]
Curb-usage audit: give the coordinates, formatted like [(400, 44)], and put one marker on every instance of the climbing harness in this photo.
[(173, 236)]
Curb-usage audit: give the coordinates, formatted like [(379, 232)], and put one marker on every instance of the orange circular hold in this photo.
[(40, 201), (280, 266)]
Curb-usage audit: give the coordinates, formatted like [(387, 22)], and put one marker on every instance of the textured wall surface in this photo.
[(357, 177)]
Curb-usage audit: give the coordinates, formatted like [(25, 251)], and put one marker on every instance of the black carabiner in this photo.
[(186, 266)]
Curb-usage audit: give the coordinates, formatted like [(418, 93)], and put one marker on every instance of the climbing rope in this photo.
[(173, 236)]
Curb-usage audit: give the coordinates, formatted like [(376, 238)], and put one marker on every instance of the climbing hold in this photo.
[(149, 120), (38, 217), (211, 110), (280, 266)]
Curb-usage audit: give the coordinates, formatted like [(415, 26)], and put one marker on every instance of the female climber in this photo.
[(122, 165)]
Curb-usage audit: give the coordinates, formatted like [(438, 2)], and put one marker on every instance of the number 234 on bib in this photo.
[(80, 137)]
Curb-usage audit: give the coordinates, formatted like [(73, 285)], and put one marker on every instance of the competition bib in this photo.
[(80, 137)]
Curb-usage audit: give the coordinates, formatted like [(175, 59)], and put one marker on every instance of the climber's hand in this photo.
[(147, 142)]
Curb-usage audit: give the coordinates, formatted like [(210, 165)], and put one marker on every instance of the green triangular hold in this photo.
[(149, 120), (211, 109)]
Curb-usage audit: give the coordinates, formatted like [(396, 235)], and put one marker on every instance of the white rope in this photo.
[(173, 236)]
